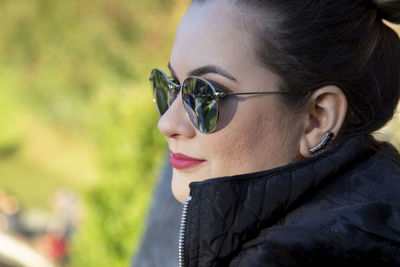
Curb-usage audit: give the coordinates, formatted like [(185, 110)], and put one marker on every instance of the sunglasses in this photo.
[(200, 98)]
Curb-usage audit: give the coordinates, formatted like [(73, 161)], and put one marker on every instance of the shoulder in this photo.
[(363, 195), (301, 246), (353, 219)]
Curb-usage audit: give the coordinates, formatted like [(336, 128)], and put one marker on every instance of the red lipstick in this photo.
[(181, 161)]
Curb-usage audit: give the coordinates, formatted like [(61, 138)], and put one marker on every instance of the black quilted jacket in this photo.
[(339, 208)]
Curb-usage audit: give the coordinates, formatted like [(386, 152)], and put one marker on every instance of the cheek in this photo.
[(253, 140)]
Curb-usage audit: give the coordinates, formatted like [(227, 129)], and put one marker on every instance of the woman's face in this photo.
[(254, 133)]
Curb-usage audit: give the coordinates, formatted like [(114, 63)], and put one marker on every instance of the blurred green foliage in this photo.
[(75, 72), (60, 53), (116, 206)]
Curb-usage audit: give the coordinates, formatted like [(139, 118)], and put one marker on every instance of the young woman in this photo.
[(268, 114)]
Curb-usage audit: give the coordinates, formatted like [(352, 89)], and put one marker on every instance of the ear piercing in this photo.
[(323, 143)]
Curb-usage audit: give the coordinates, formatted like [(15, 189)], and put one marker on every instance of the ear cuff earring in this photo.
[(323, 143)]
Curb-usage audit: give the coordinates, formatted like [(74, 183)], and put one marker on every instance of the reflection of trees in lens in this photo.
[(212, 115), (191, 86), (200, 104), (208, 107), (161, 103), (209, 112), (199, 112), (160, 92)]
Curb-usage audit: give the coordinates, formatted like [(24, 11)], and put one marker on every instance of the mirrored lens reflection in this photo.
[(160, 92), (164, 92), (200, 104)]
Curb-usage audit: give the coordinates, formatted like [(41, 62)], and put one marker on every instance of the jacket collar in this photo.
[(225, 212)]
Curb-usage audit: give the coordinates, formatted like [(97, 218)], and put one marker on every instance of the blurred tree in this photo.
[(83, 66)]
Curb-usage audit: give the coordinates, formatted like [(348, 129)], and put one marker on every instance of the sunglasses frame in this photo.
[(217, 94)]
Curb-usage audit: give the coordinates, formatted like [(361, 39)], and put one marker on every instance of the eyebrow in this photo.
[(205, 70)]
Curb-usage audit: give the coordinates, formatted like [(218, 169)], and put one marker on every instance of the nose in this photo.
[(174, 122)]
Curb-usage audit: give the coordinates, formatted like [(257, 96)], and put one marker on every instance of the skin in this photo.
[(254, 133)]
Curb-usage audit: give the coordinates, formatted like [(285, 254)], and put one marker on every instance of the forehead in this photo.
[(213, 32)]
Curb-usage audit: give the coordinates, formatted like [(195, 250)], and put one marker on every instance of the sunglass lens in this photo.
[(200, 104), (161, 91)]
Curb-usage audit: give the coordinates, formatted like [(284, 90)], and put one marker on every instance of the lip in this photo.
[(181, 161)]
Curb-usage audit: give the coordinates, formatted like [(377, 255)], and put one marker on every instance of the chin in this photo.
[(180, 188)]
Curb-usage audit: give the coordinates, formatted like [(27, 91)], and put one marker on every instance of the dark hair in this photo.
[(312, 43)]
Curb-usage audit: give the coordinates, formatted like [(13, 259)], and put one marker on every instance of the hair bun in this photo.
[(389, 9)]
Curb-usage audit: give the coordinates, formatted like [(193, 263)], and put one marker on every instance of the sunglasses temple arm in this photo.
[(223, 94)]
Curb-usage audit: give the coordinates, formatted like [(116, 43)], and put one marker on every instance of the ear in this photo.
[(325, 112)]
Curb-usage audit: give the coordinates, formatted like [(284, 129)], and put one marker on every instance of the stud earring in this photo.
[(323, 143)]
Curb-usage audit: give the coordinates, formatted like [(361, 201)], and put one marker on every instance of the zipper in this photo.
[(182, 230)]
